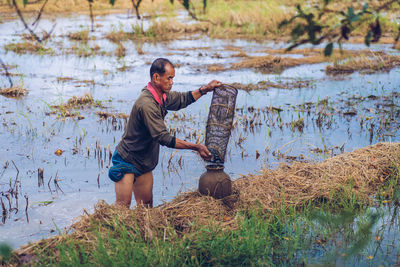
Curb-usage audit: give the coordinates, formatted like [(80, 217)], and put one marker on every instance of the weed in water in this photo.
[(120, 51), (13, 92), (28, 47), (79, 36), (82, 49), (366, 63)]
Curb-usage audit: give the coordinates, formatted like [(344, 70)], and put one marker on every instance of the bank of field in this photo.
[(277, 217)]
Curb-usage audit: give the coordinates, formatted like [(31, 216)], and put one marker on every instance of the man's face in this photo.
[(165, 81)]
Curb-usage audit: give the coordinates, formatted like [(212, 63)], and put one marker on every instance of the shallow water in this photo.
[(29, 137), (364, 238)]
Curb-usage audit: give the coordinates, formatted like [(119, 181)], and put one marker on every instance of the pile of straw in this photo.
[(360, 172), (364, 170), (372, 63), (14, 92), (75, 101), (271, 63)]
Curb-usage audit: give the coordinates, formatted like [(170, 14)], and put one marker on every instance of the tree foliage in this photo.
[(325, 24)]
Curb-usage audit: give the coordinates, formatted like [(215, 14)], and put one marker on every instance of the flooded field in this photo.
[(57, 140)]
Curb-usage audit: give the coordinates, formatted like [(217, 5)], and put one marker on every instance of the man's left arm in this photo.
[(205, 89), (178, 100)]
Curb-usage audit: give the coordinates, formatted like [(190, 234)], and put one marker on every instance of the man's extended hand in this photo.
[(211, 85), (204, 152)]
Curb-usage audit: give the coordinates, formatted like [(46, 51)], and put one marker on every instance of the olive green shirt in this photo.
[(146, 129)]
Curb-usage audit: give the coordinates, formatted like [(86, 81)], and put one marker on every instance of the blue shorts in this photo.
[(120, 168)]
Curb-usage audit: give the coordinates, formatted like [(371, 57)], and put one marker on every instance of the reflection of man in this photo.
[(136, 155)]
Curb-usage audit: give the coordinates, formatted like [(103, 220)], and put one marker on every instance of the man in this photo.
[(136, 155)]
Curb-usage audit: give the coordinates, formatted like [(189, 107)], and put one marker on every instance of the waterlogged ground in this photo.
[(327, 116)]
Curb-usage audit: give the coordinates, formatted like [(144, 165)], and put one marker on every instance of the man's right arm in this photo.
[(202, 149)]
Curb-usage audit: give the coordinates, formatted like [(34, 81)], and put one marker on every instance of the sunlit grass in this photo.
[(154, 7), (28, 47), (247, 18)]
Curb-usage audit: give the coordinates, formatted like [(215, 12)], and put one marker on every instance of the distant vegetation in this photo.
[(303, 21)]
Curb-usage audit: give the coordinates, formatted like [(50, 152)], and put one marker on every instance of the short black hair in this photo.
[(158, 66)]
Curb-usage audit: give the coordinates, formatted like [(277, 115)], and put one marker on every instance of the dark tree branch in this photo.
[(136, 7), (40, 13), (91, 14), (26, 207), (192, 13), (33, 2), (24, 22), (7, 73), (35, 36)]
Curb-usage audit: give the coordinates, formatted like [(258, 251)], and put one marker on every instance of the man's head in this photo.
[(162, 73)]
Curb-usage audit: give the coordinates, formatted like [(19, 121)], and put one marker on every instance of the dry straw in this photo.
[(344, 61), (364, 170), (14, 92), (372, 63)]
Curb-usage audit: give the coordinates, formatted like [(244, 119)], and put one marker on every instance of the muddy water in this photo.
[(329, 116)]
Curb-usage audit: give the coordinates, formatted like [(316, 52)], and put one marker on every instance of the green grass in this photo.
[(341, 231), (260, 239), (345, 229), (28, 47), (281, 239), (248, 18)]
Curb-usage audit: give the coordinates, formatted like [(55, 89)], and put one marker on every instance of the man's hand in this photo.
[(202, 149), (211, 85), (204, 153)]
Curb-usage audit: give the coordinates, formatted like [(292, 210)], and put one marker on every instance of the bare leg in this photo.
[(143, 189), (123, 190)]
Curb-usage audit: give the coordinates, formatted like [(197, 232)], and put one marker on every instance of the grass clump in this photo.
[(28, 47), (248, 19), (85, 50), (164, 30), (100, 7), (368, 64), (120, 51), (215, 68), (79, 36), (117, 36), (105, 115), (73, 106), (345, 61), (266, 85), (77, 101), (13, 92), (276, 64)]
